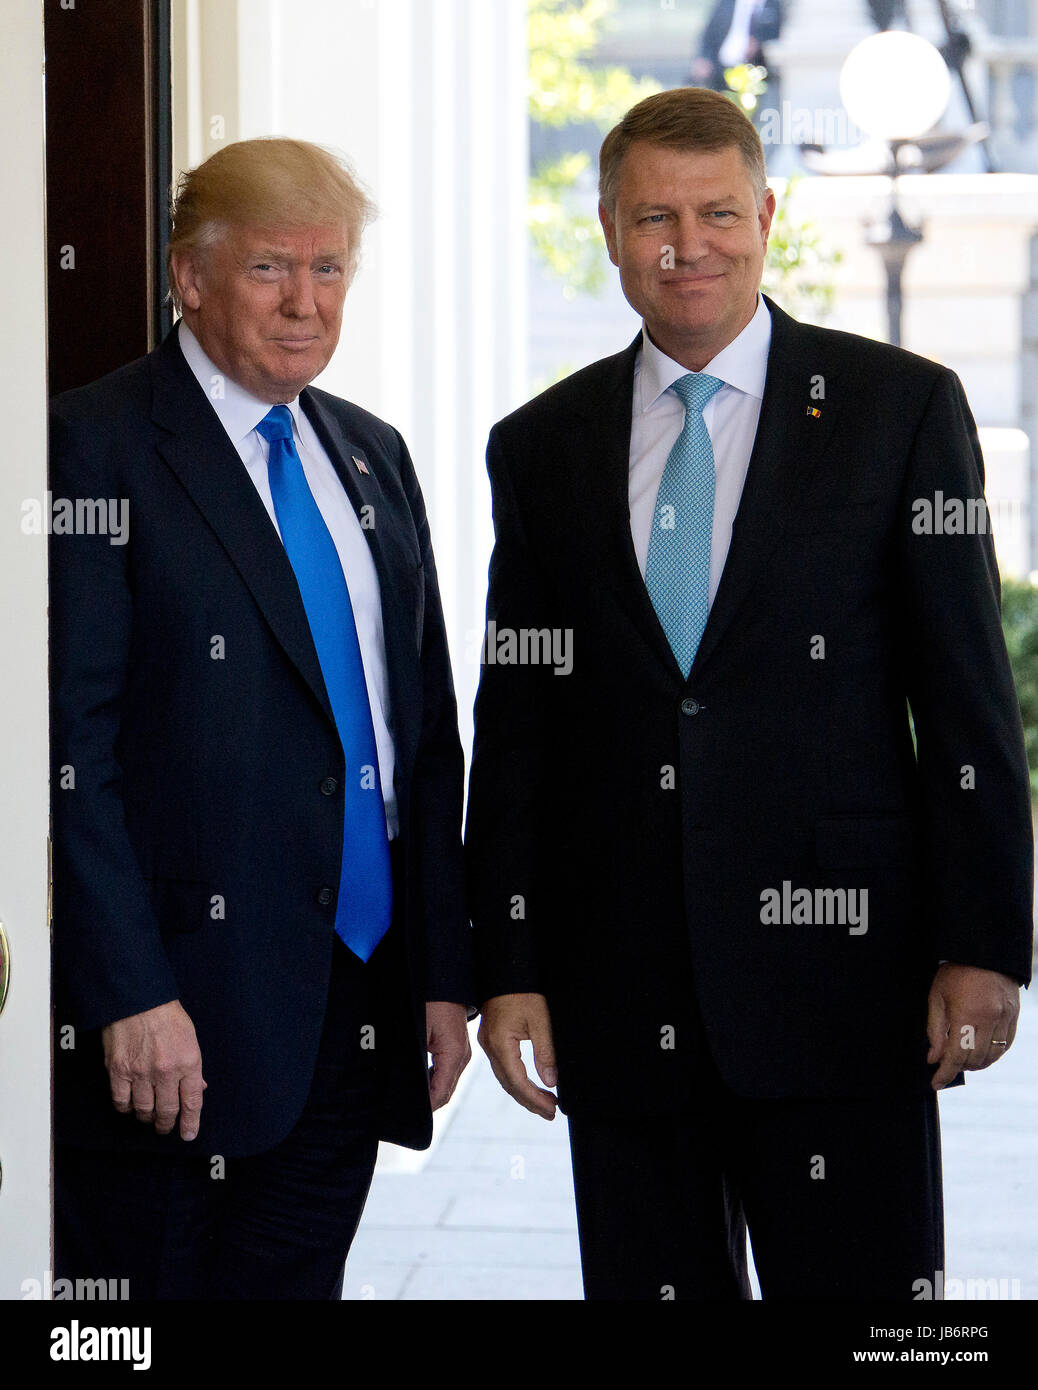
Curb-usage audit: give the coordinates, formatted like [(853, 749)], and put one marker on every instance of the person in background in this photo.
[(736, 33)]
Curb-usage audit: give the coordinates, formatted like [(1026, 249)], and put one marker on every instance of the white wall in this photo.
[(25, 1023)]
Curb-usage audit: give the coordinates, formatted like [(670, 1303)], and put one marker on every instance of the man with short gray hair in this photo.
[(751, 918)]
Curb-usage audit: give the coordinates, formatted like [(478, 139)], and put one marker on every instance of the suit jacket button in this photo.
[(690, 707), (329, 786), (325, 896)]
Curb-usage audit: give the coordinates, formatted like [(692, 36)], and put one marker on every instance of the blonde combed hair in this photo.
[(269, 182)]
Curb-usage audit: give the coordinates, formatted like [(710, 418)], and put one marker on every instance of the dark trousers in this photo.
[(843, 1199), (274, 1225)]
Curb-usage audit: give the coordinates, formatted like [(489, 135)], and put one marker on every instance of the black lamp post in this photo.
[(895, 87)]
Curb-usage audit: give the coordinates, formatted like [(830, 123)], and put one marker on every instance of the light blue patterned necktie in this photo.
[(364, 907), (677, 567)]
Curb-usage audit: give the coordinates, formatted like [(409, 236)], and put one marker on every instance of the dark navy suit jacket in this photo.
[(199, 779)]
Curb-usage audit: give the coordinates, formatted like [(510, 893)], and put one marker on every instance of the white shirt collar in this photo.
[(239, 411), (742, 363)]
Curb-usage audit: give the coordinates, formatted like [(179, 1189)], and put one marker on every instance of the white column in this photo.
[(427, 98), (25, 1084)]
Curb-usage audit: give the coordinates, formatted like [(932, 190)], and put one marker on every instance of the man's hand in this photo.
[(447, 1039), (155, 1068), (509, 1019), (970, 1010)]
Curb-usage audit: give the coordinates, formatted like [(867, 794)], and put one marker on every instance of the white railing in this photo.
[(1012, 105)]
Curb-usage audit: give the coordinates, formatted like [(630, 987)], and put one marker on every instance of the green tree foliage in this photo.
[(565, 90), (798, 267), (746, 83)]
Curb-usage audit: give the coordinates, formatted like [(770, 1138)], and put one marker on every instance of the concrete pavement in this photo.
[(488, 1213)]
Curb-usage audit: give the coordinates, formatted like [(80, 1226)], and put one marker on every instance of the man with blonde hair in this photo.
[(259, 924), (750, 926)]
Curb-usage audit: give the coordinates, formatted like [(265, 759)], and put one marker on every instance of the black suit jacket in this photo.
[(623, 822), (199, 779)]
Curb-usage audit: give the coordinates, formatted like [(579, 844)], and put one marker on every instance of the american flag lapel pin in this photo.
[(362, 467)]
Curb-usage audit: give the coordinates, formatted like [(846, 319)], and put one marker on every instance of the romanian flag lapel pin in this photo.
[(815, 413)]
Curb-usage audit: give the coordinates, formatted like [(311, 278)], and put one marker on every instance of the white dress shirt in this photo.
[(730, 417), (240, 412), (736, 43)]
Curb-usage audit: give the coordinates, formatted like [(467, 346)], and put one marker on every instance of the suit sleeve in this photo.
[(509, 773), (437, 788), (108, 955), (975, 807)]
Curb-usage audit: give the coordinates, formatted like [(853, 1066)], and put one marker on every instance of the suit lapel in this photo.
[(360, 478), (598, 473), (197, 449), (395, 563), (786, 450), (787, 446)]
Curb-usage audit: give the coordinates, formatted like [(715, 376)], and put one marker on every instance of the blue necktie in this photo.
[(365, 903), (677, 567)]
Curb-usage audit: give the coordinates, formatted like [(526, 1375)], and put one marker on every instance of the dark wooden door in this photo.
[(108, 173)]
